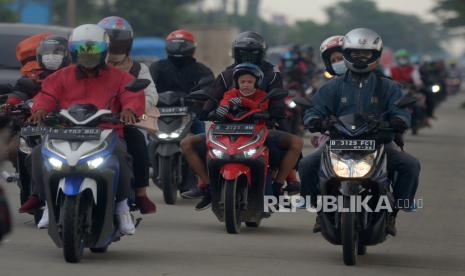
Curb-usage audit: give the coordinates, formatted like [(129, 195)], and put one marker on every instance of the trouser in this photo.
[(406, 166), (125, 171), (137, 148)]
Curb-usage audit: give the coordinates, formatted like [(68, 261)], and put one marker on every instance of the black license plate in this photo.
[(75, 134), (366, 145), (34, 131), (176, 110), (234, 129)]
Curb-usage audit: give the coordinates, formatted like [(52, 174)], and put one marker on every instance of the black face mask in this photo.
[(181, 61)]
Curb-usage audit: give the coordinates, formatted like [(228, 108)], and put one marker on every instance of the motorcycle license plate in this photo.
[(175, 110), (233, 129), (75, 134), (34, 131), (365, 145)]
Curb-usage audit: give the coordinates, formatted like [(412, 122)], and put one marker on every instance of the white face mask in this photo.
[(52, 61), (339, 67)]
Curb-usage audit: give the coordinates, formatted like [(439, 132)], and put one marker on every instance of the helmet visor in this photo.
[(88, 53)]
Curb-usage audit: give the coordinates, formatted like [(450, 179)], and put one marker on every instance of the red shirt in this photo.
[(70, 86), (250, 102), (403, 74)]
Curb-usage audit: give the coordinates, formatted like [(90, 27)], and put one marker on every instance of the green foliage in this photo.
[(6, 15), (452, 12)]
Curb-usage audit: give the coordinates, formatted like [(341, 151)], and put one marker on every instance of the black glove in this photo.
[(315, 125), (221, 111), (235, 101), (398, 125)]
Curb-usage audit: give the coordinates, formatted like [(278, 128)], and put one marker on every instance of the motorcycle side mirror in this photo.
[(303, 102), (406, 102), (276, 94), (137, 85), (29, 84), (200, 95)]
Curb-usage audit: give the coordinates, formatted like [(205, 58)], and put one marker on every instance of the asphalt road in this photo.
[(180, 241)]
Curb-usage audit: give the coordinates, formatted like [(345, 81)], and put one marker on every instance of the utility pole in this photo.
[(71, 13)]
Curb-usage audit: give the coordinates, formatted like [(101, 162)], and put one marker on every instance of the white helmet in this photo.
[(330, 45), (88, 45), (362, 39)]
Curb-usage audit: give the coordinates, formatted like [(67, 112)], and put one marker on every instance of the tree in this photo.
[(6, 14), (452, 12)]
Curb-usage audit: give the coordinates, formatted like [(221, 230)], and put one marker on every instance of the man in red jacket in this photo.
[(91, 81)]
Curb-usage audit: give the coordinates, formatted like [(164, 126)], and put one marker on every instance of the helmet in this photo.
[(290, 60), (248, 47), (88, 45), (247, 68), (53, 53), (402, 57), (120, 32), (362, 39), (180, 43), (330, 45)]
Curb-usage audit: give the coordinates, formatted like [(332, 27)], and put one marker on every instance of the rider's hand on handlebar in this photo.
[(37, 117), (221, 111), (398, 125), (127, 116)]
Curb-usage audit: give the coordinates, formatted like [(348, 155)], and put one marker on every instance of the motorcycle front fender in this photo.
[(232, 171)]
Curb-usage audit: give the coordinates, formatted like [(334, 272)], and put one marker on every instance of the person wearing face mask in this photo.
[(121, 37), (331, 54), (360, 90), (91, 81)]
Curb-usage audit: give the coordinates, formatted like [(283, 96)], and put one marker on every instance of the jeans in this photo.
[(406, 166)]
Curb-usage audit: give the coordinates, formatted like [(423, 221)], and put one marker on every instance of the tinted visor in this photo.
[(120, 41), (248, 56), (180, 47), (52, 47)]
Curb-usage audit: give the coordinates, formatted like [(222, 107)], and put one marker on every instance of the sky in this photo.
[(315, 9)]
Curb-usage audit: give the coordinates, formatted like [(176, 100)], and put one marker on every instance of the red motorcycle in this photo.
[(237, 162)]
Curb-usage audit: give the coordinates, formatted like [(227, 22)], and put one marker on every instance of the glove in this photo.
[(221, 111), (235, 101), (315, 125), (398, 125)]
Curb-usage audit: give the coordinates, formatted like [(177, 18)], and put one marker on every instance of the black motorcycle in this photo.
[(353, 169), (177, 114)]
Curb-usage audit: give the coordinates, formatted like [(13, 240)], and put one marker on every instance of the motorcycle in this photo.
[(353, 165), (27, 140), (174, 124), (237, 162), (81, 172), (5, 217)]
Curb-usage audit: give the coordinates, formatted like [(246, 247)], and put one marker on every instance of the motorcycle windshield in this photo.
[(352, 124), (82, 112), (170, 98)]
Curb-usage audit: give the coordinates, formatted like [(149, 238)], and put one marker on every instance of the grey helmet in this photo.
[(362, 39)]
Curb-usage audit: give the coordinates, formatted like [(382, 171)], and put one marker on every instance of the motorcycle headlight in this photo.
[(23, 146), (250, 152), (162, 135), (435, 88), (352, 168), (218, 153), (291, 104), (174, 135), (95, 163), (56, 164)]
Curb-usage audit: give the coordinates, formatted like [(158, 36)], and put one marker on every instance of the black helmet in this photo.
[(120, 32), (53, 53), (248, 47), (247, 68)]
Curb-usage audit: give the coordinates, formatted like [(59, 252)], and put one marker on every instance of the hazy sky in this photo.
[(315, 9)]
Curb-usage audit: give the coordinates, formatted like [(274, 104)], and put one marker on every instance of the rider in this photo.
[(91, 81), (52, 54), (40, 55), (121, 37), (331, 54), (405, 72), (360, 90), (180, 72), (248, 47)]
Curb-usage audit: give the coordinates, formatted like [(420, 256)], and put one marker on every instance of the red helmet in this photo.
[(330, 45), (180, 43)]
